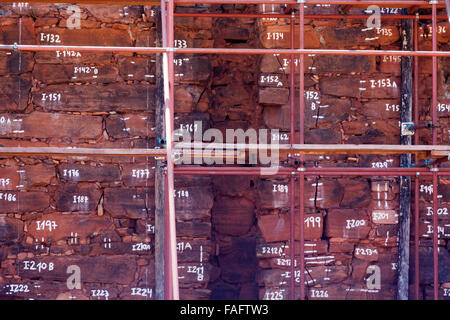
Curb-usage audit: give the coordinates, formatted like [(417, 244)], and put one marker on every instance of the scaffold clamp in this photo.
[(407, 128), (16, 46)]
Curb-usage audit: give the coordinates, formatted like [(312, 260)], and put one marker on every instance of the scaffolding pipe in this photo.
[(309, 171), (171, 275), (435, 234), (292, 138), (435, 178), (447, 6), (287, 16), (417, 180), (311, 2), (35, 48), (301, 63)]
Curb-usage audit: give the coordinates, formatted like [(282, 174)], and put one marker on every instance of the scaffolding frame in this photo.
[(168, 14)]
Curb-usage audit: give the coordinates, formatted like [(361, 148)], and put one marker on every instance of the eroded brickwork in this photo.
[(98, 213)]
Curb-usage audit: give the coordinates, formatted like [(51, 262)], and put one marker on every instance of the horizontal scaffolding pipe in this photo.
[(196, 149), (387, 3), (22, 47), (317, 148), (80, 152), (311, 2), (287, 16), (191, 170)]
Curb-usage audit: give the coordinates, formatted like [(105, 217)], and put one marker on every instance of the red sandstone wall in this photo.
[(232, 231)]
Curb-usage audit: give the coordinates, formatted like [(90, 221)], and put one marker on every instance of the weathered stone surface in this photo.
[(282, 63), (347, 223), (9, 178), (129, 202), (78, 172), (190, 98), (103, 269), (72, 228), (376, 87), (273, 194), (381, 109), (72, 197), (343, 64), (316, 275), (277, 227), (15, 63), (277, 96), (193, 273), (14, 201), (60, 73), (130, 125), (51, 125), (233, 216), (355, 193), (275, 36), (194, 250), (138, 175), (37, 175), (193, 198), (192, 69), (323, 136), (238, 261), (11, 230), (85, 37), (114, 13), (96, 98), (323, 193), (137, 68), (72, 56), (282, 249), (384, 216), (10, 34), (367, 253), (201, 229), (14, 93), (348, 37)]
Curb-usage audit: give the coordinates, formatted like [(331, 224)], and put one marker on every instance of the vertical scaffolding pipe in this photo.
[(434, 103), (302, 141), (171, 265), (160, 178), (435, 169), (435, 232), (404, 222), (292, 180), (416, 181)]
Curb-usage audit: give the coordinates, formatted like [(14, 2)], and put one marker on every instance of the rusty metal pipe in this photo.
[(435, 235), (332, 2), (301, 63), (292, 180), (416, 182), (287, 16)]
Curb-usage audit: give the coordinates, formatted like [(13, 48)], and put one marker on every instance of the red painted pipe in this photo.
[(292, 235), (310, 2), (292, 180), (435, 85), (435, 235), (171, 291), (302, 141), (435, 177), (416, 182), (287, 16)]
